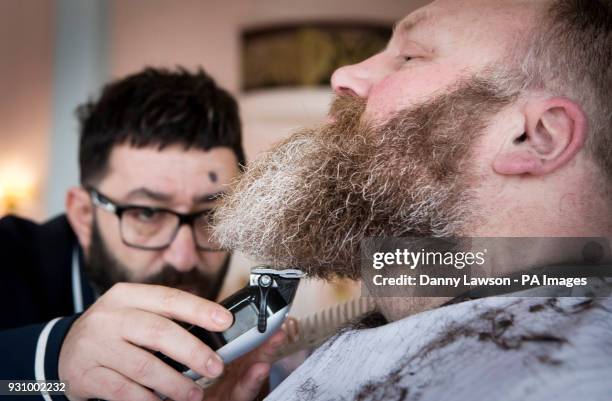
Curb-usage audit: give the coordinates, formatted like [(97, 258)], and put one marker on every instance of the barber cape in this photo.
[(499, 348)]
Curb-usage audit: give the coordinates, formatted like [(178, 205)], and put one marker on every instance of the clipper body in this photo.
[(259, 310)]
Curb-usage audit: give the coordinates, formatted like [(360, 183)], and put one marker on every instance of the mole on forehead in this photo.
[(213, 176)]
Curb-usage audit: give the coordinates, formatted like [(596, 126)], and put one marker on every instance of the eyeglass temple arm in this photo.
[(102, 202)]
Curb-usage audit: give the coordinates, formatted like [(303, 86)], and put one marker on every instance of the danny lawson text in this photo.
[(465, 280)]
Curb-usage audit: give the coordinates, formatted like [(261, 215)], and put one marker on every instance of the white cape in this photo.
[(500, 348)]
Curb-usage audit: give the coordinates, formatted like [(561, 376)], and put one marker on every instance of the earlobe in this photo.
[(554, 132), (79, 211)]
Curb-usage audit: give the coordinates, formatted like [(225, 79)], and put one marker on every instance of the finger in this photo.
[(107, 384), (157, 333), (172, 303), (291, 327), (250, 384), (269, 351), (144, 368)]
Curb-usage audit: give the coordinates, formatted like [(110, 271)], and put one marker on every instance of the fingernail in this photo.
[(214, 366), (196, 394), (222, 318)]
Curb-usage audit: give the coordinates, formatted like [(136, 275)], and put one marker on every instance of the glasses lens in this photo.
[(202, 229), (147, 228)]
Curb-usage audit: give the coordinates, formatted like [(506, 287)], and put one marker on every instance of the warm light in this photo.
[(16, 186)]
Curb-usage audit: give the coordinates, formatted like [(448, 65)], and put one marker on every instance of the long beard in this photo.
[(311, 200)]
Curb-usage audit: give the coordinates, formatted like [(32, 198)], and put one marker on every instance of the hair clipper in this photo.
[(259, 310)]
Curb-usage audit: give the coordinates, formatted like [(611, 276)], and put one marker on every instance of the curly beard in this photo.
[(311, 200)]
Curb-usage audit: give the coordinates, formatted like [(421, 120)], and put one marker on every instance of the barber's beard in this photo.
[(104, 271), (310, 201)]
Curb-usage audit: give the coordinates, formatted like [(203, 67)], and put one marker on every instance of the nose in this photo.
[(358, 79), (182, 253)]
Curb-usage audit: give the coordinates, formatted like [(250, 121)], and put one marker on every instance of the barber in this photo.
[(88, 297)]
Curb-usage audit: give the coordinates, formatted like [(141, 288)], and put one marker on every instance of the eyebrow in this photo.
[(148, 193), (164, 197)]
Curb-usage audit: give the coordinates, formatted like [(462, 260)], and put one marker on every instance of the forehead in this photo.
[(471, 23), (184, 174)]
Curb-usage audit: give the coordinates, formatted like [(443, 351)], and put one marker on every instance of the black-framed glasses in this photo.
[(154, 228)]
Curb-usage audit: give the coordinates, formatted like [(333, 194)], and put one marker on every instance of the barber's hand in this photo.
[(105, 352), (244, 377)]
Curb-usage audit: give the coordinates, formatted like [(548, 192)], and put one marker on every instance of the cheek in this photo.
[(139, 263), (407, 88), (212, 261), (109, 230)]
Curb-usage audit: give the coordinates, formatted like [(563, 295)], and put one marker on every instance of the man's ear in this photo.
[(79, 211), (555, 130)]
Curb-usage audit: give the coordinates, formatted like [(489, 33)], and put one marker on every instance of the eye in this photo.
[(146, 215), (403, 60)]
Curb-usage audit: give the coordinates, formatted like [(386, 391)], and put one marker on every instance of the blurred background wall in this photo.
[(54, 54), (26, 80)]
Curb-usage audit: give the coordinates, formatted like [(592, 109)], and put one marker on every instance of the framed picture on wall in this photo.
[(306, 55)]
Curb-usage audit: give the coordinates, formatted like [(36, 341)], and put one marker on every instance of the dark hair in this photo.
[(160, 108)]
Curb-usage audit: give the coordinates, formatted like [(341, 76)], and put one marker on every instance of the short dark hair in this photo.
[(157, 107)]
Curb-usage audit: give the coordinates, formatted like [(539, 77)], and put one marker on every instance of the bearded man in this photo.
[(479, 119), (87, 295)]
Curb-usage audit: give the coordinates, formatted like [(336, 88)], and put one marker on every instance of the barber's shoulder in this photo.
[(22, 232), (57, 228), (27, 244), (14, 229)]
